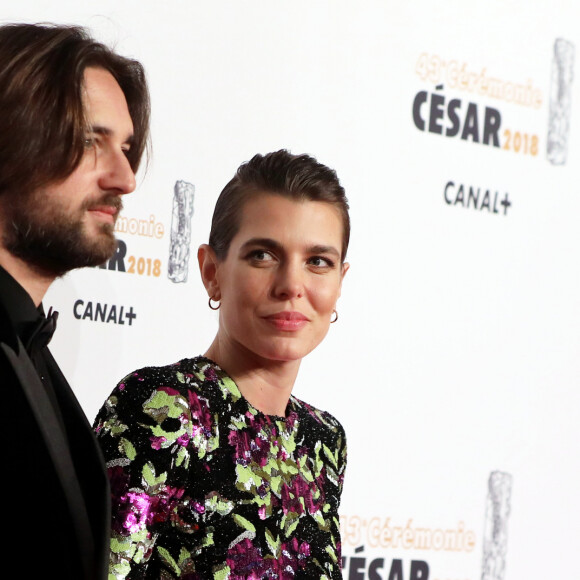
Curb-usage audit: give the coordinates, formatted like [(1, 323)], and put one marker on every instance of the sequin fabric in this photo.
[(205, 486)]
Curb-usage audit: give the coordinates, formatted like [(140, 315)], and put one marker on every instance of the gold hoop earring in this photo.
[(335, 317), (213, 307)]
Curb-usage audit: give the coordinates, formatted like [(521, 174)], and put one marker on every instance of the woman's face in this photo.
[(280, 281)]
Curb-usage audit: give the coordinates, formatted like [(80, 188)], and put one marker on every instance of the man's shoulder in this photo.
[(8, 334)]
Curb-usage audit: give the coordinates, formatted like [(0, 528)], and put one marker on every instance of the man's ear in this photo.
[(208, 267)]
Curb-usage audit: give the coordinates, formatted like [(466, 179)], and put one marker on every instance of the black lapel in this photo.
[(89, 461), (58, 448)]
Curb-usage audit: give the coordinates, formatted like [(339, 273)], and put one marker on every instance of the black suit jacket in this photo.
[(55, 481)]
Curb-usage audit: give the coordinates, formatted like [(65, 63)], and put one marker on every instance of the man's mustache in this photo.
[(111, 200)]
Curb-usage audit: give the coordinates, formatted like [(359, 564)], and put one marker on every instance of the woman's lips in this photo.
[(288, 321)]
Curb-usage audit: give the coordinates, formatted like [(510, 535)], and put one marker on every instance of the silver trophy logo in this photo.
[(560, 101), (180, 231), (499, 491)]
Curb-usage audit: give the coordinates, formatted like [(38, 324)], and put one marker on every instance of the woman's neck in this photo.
[(265, 384)]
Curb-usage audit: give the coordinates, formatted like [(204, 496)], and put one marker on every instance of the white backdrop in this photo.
[(457, 350)]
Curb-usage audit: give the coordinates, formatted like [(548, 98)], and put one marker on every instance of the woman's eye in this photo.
[(261, 256), (321, 262)]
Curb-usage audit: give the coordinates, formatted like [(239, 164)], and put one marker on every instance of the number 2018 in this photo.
[(520, 142)]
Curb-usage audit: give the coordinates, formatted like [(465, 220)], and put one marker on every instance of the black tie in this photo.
[(43, 332)]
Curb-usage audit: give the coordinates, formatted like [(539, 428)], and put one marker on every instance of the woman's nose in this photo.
[(289, 282)]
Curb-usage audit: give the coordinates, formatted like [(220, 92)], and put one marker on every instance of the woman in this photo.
[(216, 470)]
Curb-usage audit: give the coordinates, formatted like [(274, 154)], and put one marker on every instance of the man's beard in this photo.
[(53, 240)]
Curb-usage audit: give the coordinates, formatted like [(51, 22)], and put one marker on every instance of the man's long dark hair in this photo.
[(42, 119)]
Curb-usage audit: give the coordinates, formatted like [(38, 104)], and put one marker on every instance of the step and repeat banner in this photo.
[(455, 363)]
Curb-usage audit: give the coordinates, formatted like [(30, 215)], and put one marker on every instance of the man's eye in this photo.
[(88, 142)]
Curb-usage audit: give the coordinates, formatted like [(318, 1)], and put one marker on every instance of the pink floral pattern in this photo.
[(205, 486)]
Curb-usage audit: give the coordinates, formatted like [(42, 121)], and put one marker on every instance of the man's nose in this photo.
[(117, 173)]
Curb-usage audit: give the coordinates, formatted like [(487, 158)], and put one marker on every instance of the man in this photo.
[(74, 124)]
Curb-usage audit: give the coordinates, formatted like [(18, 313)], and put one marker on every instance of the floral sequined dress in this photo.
[(205, 486)]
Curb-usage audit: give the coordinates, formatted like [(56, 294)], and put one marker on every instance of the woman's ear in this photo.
[(208, 267), (345, 266)]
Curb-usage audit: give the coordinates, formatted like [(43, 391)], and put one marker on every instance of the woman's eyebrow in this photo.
[(319, 249), (271, 244), (267, 243)]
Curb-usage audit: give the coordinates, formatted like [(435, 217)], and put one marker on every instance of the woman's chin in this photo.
[(285, 352)]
